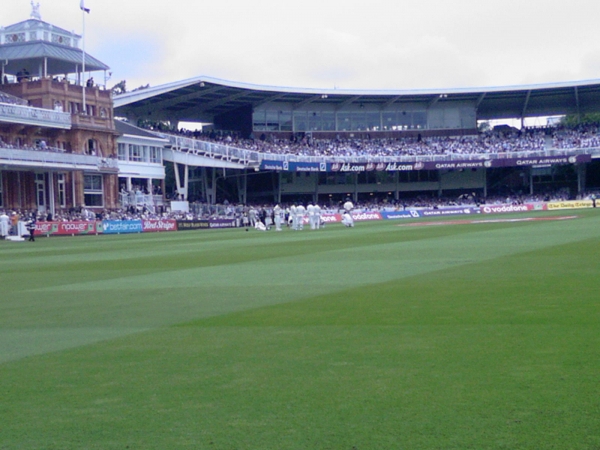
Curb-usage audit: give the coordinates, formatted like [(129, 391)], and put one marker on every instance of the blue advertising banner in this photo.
[(448, 212), (267, 164), (122, 226), (400, 214), (293, 166)]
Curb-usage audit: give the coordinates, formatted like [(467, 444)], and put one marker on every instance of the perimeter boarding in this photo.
[(297, 220)]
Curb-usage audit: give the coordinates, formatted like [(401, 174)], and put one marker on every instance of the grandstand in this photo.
[(324, 145)]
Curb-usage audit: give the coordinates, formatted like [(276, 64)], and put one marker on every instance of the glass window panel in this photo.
[(344, 121), (373, 120), (300, 121), (328, 121), (92, 183), (285, 120), (359, 120), (389, 120), (93, 199), (122, 152), (404, 119), (258, 120), (314, 121), (272, 121), (419, 119)]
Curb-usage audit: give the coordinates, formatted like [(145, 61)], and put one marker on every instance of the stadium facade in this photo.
[(62, 147)]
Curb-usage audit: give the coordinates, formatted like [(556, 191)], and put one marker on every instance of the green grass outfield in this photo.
[(468, 336)]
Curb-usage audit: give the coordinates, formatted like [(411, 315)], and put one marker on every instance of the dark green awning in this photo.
[(60, 59)]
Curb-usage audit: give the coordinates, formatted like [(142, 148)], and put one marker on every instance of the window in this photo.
[(155, 155), (15, 37), (63, 40), (258, 121), (122, 152), (328, 118), (285, 120), (92, 190), (135, 153), (40, 190), (373, 120), (92, 147), (343, 121), (272, 121), (314, 121), (300, 121), (62, 198)]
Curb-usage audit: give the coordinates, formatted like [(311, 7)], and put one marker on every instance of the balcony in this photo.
[(15, 158), (13, 113)]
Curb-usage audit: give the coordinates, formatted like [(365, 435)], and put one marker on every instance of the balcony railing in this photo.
[(57, 159), (132, 199), (253, 158), (214, 150), (34, 116)]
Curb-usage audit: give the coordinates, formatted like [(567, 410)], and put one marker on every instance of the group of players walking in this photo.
[(294, 217)]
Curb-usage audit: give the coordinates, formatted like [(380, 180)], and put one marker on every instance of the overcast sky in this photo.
[(348, 44)]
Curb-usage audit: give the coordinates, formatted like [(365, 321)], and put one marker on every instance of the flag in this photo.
[(82, 6)]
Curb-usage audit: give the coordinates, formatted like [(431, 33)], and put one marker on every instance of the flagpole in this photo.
[(83, 59)]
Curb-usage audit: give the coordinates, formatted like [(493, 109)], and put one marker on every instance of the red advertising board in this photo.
[(159, 225), (68, 228)]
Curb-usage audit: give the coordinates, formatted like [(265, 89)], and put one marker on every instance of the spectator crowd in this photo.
[(485, 143)]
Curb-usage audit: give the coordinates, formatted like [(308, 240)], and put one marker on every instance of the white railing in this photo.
[(251, 157), (133, 199), (57, 159), (213, 150), (36, 116)]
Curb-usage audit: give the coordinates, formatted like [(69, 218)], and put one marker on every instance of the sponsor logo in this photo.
[(68, 227), (307, 168), (347, 167), (366, 216), (222, 223), (123, 226), (460, 165), (447, 212), (395, 167), (272, 166), (330, 218), (191, 224), (570, 204), (77, 227), (159, 225), (494, 209), (399, 214), (46, 227), (558, 160)]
